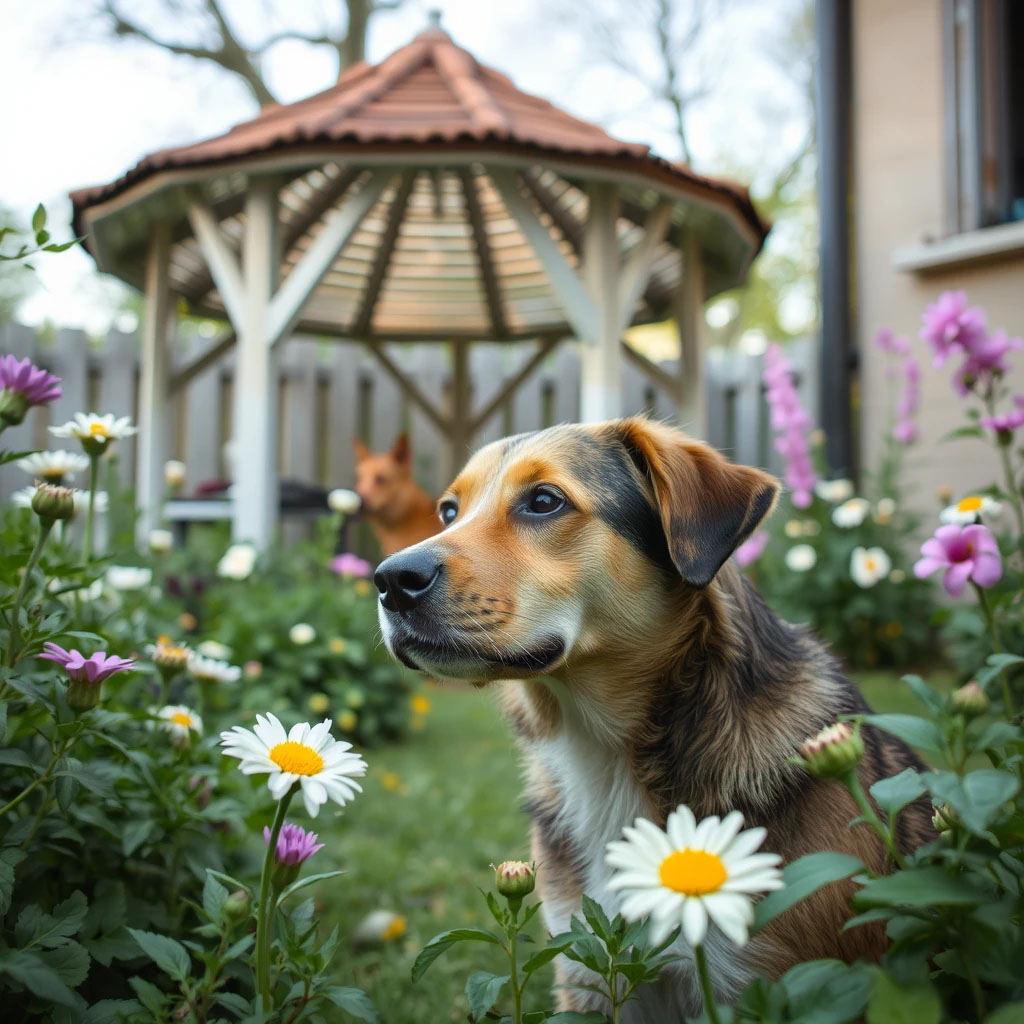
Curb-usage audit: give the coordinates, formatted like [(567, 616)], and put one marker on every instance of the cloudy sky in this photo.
[(80, 111)]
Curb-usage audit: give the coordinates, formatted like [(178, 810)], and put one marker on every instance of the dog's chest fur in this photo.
[(593, 795)]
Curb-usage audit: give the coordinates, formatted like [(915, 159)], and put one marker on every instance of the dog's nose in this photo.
[(405, 579)]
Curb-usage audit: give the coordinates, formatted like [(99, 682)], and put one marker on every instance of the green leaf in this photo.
[(827, 991), (991, 735), (15, 758), (134, 834), (575, 1017), (895, 793), (596, 918), (962, 432), (917, 887), (924, 693), (303, 882), (28, 968), (802, 878), (214, 898), (70, 962), (39, 218), (895, 1003), (7, 866), (107, 1010), (442, 943), (353, 1001), (37, 928), (149, 995), (542, 957), (1010, 1013), (976, 798), (918, 732), (170, 956), (482, 991)]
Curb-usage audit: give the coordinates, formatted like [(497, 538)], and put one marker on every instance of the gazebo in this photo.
[(422, 198)]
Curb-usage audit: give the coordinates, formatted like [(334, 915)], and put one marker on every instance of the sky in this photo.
[(81, 111)]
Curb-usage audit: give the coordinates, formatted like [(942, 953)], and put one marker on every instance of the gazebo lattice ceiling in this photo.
[(424, 198)]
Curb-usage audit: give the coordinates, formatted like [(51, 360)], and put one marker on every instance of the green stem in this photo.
[(94, 463), (852, 783), (705, 986), (997, 647), (517, 992), (44, 778), (45, 526), (1004, 455), (265, 911)]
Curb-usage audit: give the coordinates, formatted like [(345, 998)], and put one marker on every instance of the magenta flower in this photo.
[(1006, 422), (965, 553), (886, 341), (294, 844), (22, 384), (789, 417), (86, 670), (949, 326), (985, 356), (905, 430), (751, 549), (350, 565)]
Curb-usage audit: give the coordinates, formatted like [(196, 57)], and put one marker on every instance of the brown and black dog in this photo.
[(399, 511), (587, 568)]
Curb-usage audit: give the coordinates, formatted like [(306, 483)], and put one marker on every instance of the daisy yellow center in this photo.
[(692, 872), (971, 504), (180, 718), (870, 564), (296, 758), (98, 430)]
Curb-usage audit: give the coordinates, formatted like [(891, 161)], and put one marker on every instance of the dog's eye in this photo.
[(543, 501), (448, 511)]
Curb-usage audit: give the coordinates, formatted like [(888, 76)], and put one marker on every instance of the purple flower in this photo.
[(985, 357), (751, 549), (86, 670), (965, 553), (350, 565), (294, 844), (949, 326), (789, 417), (886, 341), (905, 430), (22, 384), (1005, 422)]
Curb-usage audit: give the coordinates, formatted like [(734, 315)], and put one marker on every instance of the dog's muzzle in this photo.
[(405, 579)]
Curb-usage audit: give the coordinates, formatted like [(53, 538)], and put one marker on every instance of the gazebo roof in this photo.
[(438, 253)]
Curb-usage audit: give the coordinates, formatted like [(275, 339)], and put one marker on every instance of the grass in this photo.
[(436, 812)]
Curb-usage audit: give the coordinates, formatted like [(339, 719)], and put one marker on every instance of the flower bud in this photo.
[(13, 406), (82, 695), (970, 700), (943, 819), (237, 907), (834, 752), (160, 541), (515, 878), (174, 473), (51, 502)]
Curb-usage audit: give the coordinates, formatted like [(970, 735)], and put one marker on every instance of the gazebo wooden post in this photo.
[(255, 393), (600, 361), (689, 313), (151, 450), (460, 428)]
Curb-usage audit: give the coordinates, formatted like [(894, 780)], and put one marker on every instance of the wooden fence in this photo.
[(331, 393)]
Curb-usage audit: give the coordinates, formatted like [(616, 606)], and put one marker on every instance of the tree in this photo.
[(208, 30)]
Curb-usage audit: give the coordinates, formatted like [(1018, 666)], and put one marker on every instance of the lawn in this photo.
[(436, 812)]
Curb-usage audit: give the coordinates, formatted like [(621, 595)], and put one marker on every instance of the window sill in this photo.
[(979, 246)]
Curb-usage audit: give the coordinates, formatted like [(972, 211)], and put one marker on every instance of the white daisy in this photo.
[(100, 506), (55, 466), (97, 429), (834, 491), (160, 541), (214, 649), (869, 565), (302, 633), (307, 754), (344, 501), (180, 722), (212, 670), (237, 562), (851, 513), (692, 872), (129, 577), (801, 558), (972, 509), (885, 510)]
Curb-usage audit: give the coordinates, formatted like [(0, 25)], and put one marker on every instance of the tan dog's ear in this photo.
[(708, 505), (400, 452), (362, 452)]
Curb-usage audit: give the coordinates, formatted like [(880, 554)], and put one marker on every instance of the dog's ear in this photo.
[(362, 452), (400, 451), (708, 505)]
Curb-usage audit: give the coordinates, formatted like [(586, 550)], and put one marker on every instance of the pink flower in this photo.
[(966, 553), (22, 384), (905, 430), (986, 356), (294, 844), (350, 565), (789, 417), (1006, 422), (949, 326), (751, 549), (886, 341), (86, 670)]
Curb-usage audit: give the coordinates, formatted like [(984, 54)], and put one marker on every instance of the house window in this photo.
[(985, 113)]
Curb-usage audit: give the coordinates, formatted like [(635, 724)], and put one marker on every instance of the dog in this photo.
[(585, 570), (399, 511)]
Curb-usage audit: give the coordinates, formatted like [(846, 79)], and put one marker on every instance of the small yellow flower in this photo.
[(363, 588), (347, 721), (394, 930), (391, 781), (420, 704), (319, 703), (355, 698), (187, 621), (168, 655), (337, 645)]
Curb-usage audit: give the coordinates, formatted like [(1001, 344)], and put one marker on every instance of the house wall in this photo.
[(899, 182)]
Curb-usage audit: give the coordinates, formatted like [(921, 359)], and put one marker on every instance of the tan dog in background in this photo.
[(585, 570), (399, 511)]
